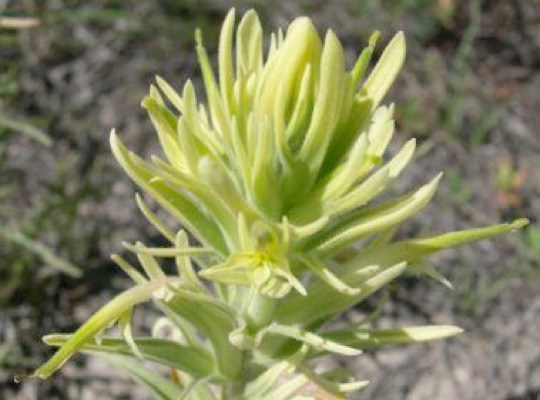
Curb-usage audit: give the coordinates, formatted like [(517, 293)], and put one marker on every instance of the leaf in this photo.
[(215, 320), (102, 319), (218, 113), (249, 45), (329, 278), (129, 269), (414, 249), (365, 57), (343, 178), (184, 266), (324, 301), (174, 201), (266, 381), (380, 132), (311, 339), (366, 338), (423, 268), (329, 388), (326, 108), (167, 252), (124, 323), (226, 78), (372, 220), (154, 219), (285, 391), (165, 124), (195, 361), (386, 70), (171, 94), (161, 388)]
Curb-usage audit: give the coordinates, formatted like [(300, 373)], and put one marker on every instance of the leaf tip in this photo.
[(374, 38), (520, 223)]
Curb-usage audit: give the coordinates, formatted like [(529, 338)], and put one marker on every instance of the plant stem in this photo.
[(235, 390)]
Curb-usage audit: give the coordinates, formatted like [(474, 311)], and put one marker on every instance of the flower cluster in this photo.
[(275, 177)]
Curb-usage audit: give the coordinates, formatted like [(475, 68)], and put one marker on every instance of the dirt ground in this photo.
[(469, 92)]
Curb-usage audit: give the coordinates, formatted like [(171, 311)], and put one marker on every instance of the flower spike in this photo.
[(272, 185)]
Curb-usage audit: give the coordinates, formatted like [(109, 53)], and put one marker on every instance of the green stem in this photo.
[(235, 389)]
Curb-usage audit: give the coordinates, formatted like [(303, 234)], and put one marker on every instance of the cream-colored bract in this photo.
[(275, 177)]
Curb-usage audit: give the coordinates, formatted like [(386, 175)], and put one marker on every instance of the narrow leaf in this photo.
[(96, 323), (161, 388), (171, 94), (414, 249), (311, 339), (325, 302), (375, 220), (386, 69), (366, 338), (153, 218), (193, 360)]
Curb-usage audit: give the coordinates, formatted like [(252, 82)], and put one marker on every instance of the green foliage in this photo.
[(276, 177)]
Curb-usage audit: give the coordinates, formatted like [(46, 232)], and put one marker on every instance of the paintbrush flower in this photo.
[(276, 175)]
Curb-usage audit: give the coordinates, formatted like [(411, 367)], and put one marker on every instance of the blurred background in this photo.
[(469, 91)]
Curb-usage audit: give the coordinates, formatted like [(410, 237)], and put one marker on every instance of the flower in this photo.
[(261, 262)]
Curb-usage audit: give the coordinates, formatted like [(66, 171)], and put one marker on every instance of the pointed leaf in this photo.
[(386, 69), (153, 218), (192, 360), (226, 78), (174, 201), (326, 108), (311, 339), (215, 320), (369, 221), (161, 388), (368, 338), (325, 302), (96, 323), (414, 249), (171, 94)]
